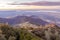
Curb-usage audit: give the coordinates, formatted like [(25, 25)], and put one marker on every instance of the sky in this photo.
[(23, 1), (4, 4), (26, 0)]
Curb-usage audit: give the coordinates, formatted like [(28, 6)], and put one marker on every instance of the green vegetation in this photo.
[(48, 32), (11, 33)]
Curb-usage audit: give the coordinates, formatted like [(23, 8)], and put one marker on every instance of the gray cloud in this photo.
[(40, 3)]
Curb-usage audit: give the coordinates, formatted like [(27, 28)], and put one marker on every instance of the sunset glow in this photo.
[(27, 7), (4, 4)]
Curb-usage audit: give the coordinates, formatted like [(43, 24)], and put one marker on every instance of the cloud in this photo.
[(40, 3), (29, 5), (24, 7)]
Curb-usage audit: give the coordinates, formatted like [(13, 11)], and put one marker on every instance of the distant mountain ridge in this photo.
[(22, 19)]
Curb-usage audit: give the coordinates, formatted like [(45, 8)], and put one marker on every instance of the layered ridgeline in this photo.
[(22, 19), (36, 16)]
